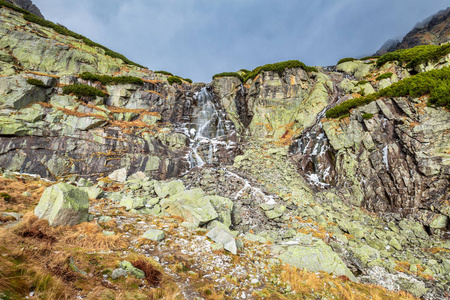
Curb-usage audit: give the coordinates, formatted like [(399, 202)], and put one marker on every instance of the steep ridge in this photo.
[(252, 161), (434, 30)]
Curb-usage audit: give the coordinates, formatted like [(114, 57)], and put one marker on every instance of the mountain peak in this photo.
[(434, 30), (27, 5)]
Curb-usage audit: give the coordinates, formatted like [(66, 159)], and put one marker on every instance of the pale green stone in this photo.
[(132, 203), (315, 258), (223, 207), (191, 205), (164, 189), (276, 212), (154, 235), (63, 204), (126, 265), (153, 163)]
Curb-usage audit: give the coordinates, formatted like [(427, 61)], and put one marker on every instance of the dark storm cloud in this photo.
[(198, 38)]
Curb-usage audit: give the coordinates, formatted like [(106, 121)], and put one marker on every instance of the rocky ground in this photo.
[(396, 257)]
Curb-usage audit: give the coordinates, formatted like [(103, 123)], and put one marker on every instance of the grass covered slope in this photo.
[(435, 83)]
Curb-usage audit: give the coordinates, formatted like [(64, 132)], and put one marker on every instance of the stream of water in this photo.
[(208, 131)]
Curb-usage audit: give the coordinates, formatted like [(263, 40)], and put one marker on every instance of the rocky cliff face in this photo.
[(27, 5), (434, 30), (257, 161)]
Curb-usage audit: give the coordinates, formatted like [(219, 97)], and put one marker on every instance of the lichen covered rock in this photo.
[(63, 205)]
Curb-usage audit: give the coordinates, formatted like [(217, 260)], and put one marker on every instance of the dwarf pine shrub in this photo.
[(174, 79), (106, 79), (164, 73), (229, 74), (415, 56), (83, 90), (279, 68), (384, 76), (347, 59), (36, 82)]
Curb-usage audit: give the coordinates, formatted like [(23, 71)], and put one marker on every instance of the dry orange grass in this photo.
[(332, 287), (80, 114), (16, 188), (88, 236)]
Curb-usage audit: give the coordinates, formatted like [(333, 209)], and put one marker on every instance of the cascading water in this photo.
[(313, 154), (209, 132)]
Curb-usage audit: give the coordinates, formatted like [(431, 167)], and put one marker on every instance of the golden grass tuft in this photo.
[(16, 188), (335, 287)]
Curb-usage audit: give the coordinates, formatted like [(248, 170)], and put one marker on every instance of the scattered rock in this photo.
[(132, 203), (315, 257), (221, 236), (127, 266), (192, 205), (164, 189), (119, 175), (154, 235), (118, 273)]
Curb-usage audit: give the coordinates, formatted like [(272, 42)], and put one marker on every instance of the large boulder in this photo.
[(223, 207), (192, 205), (222, 236), (63, 205), (164, 189), (313, 254)]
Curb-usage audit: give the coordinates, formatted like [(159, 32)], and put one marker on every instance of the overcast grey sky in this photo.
[(198, 38)]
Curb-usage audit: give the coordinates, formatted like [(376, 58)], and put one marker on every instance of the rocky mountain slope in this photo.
[(285, 182), (434, 30)]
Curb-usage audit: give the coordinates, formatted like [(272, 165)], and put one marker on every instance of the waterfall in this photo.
[(208, 131), (313, 154)]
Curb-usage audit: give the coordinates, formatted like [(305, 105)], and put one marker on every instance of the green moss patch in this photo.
[(367, 116)]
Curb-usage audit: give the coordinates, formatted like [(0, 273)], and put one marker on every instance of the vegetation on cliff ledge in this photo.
[(36, 82), (347, 59), (106, 79), (229, 74), (415, 56), (174, 79), (436, 83), (279, 68), (163, 72), (64, 31), (384, 76), (83, 90)]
